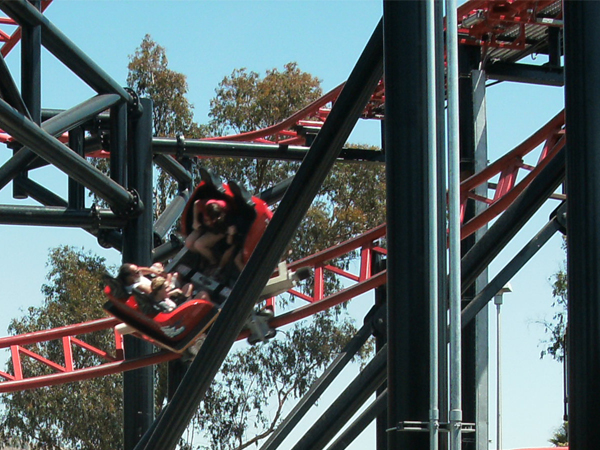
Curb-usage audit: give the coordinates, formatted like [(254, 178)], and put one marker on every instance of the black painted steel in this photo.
[(65, 50), (291, 210), (31, 72), (118, 143), (317, 388), (346, 405), (9, 90), (55, 126), (251, 150), (89, 219), (380, 333), (378, 407), (582, 97), (138, 385), (173, 168), (31, 76), (526, 73), (512, 220), (168, 249), (275, 193), (48, 147), (76, 190), (527, 252), (171, 214), (406, 141), (40, 193)]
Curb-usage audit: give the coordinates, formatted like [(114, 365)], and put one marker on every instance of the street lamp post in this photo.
[(498, 302)]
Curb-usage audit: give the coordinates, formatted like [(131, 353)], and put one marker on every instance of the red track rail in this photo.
[(11, 39), (505, 172)]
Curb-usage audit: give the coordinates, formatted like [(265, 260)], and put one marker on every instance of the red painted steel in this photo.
[(10, 40)]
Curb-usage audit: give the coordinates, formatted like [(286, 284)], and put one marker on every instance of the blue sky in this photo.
[(206, 40)]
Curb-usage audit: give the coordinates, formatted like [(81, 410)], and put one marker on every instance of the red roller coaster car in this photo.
[(175, 330), (179, 329), (250, 214)]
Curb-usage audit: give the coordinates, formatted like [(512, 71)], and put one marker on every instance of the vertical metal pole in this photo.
[(582, 71), (406, 139), (443, 337), (473, 153), (118, 143), (498, 303), (454, 226), (434, 412), (138, 385), (31, 81), (380, 341), (76, 190)]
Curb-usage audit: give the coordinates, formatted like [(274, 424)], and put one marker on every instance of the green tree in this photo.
[(560, 437), (149, 75), (352, 198), (85, 414), (556, 328)]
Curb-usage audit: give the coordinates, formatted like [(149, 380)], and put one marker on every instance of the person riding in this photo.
[(210, 224), (134, 276), (162, 293)]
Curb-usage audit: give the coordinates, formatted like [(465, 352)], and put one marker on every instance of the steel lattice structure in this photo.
[(494, 36)]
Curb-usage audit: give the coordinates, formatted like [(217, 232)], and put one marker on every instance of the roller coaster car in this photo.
[(175, 330), (181, 328), (248, 213)]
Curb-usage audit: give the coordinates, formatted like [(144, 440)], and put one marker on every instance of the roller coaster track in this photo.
[(506, 178)]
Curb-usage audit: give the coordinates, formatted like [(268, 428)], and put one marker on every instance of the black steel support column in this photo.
[(380, 333), (31, 82), (443, 330), (582, 97), (138, 385), (406, 141), (76, 190), (118, 143), (473, 152)]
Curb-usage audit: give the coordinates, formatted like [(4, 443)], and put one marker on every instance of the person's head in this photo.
[(129, 274), (214, 212), (159, 287)]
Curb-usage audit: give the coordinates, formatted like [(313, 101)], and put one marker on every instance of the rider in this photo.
[(211, 225)]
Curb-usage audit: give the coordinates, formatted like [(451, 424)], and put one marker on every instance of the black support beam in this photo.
[(582, 97)]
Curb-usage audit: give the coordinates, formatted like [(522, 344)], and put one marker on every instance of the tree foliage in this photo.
[(85, 414), (556, 328), (351, 200), (149, 75), (560, 437)]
